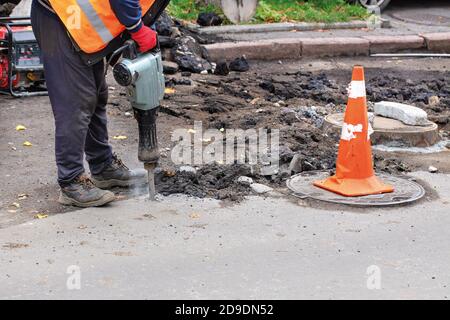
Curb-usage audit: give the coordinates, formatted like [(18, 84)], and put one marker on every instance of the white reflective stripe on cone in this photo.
[(349, 130), (357, 89)]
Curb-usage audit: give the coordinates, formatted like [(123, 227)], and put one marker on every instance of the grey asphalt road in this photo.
[(406, 17), (264, 248)]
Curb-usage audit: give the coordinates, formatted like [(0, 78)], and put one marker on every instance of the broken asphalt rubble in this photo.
[(295, 102), (7, 7), (184, 47), (208, 19)]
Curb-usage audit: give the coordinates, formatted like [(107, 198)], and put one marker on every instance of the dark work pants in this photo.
[(78, 95)]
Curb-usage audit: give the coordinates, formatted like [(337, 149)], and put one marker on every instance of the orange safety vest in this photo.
[(92, 23)]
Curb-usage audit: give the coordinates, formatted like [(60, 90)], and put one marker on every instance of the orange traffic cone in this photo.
[(355, 175)]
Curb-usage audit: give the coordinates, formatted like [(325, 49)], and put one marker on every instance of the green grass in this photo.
[(189, 10), (280, 11), (310, 11)]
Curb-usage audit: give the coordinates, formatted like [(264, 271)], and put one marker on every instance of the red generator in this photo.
[(21, 69)]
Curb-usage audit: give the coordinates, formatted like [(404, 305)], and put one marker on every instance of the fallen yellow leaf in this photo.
[(169, 173), (120, 137), (20, 128), (27, 144), (194, 216), (41, 216), (169, 91), (254, 101)]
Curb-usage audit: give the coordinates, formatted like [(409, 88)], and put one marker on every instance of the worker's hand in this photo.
[(145, 38)]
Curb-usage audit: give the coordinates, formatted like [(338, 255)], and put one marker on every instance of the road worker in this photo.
[(79, 93)]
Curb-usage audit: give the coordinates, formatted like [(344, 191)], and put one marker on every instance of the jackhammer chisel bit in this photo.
[(151, 181)]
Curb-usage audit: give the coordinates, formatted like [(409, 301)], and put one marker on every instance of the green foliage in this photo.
[(309, 11), (189, 10), (280, 10)]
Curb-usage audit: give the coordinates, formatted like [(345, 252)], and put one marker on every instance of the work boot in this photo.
[(82, 193), (117, 174)]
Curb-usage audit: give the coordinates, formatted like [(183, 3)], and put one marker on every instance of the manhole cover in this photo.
[(423, 18), (406, 191)]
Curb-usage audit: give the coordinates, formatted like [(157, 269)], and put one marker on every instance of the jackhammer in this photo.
[(142, 75)]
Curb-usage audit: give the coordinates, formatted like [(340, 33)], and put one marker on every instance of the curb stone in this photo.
[(389, 44), (257, 50), (330, 47), (296, 48), (250, 28), (283, 27), (438, 42)]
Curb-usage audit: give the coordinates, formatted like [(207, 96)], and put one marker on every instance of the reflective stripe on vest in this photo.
[(92, 23), (95, 20)]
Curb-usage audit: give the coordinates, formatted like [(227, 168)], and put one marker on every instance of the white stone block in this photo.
[(245, 180), (407, 114), (260, 188)]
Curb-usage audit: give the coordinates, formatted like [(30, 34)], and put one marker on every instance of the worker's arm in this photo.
[(129, 13)]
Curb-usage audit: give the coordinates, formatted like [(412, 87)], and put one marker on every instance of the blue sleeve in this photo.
[(129, 13)]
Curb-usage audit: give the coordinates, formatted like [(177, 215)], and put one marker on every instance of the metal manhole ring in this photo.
[(406, 191)]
